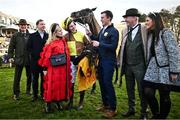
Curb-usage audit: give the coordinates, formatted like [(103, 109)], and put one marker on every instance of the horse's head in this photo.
[(83, 16), (86, 16)]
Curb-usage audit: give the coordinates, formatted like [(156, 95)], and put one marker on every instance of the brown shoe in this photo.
[(102, 108), (110, 114)]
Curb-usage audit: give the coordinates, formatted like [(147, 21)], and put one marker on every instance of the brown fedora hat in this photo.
[(132, 12), (22, 22)]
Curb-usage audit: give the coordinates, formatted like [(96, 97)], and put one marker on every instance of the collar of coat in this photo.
[(111, 25), (37, 33)]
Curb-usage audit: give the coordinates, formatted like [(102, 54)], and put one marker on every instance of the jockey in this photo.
[(76, 42)]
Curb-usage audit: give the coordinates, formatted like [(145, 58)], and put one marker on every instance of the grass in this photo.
[(25, 109)]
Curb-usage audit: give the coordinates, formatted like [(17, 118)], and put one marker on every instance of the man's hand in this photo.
[(11, 60), (173, 77), (95, 43), (44, 72)]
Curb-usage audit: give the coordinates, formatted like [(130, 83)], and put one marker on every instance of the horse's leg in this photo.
[(120, 83), (117, 71), (93, 88), (81, 100)]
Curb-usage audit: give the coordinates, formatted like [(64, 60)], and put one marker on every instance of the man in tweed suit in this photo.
[(133, 59)]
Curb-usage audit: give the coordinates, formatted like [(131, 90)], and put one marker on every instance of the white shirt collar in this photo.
[(104, 28), (134, 32), (41, 32), (135, 25)]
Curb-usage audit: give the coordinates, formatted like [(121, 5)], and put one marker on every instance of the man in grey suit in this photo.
[(133, 59)]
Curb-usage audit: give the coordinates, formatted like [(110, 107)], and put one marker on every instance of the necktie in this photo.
[(130, 33)]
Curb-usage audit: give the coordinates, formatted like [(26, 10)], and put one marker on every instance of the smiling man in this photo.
[(106, 42), (36, 43), (133, 59)]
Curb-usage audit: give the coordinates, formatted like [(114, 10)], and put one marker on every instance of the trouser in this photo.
[(35, 77), (106, 70), (165, 101), (17, 78), (82, 93), (74, 74), (133, 73), (72, 96)]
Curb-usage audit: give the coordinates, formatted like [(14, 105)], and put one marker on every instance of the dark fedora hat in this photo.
[(132, 12), (22, 22)]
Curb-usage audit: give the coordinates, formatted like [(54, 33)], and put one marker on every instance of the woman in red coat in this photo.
[(57, 79)]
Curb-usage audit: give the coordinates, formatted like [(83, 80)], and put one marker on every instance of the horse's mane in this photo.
[(94, 26)]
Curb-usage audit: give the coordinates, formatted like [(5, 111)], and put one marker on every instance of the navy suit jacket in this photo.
[(108, 43)]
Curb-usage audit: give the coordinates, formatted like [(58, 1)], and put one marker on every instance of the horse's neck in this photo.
[(94, 26)]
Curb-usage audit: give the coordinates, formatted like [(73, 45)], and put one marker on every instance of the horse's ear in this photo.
[(93, 9)]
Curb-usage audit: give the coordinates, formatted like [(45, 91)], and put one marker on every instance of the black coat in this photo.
[(35, 46), (18, 48)]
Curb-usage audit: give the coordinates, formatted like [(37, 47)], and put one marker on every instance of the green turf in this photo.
[(25, 109)]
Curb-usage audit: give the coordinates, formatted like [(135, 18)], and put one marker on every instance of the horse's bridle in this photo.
[(83, 24)]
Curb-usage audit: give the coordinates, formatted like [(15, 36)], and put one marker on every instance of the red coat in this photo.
[(57, 81)]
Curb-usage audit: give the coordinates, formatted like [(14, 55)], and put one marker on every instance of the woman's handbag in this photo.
[(59, 59)]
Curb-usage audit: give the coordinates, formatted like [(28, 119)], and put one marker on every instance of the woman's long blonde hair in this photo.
[(52, 29)]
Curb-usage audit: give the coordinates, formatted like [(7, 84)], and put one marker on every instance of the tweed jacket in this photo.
[(123, 43), (166, 60)]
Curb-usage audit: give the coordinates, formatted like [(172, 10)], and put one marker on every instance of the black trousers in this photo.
[(165, 101), (17, 78), (35, 80)]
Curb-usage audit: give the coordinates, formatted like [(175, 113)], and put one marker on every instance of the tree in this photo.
[(167, 18), (172, 20), (142, 18), (177, 22)]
